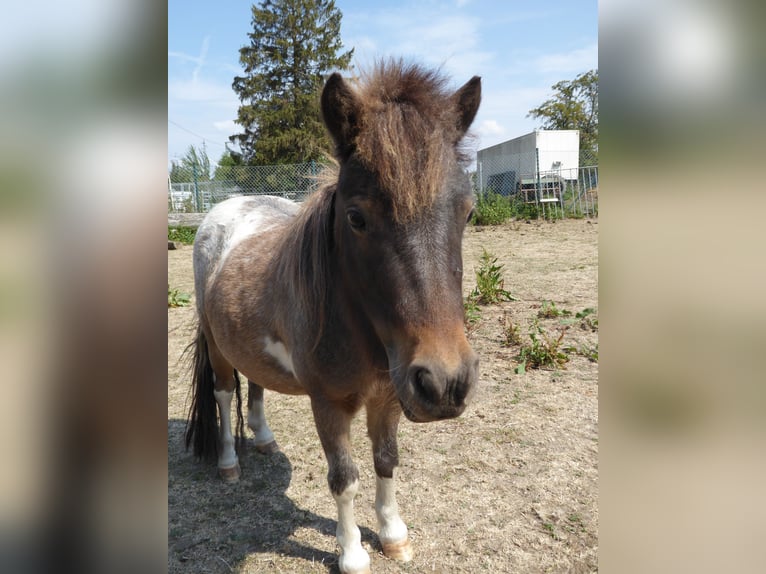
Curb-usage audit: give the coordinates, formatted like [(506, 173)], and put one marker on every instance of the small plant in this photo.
[(590, 353), (544, 351), (177, 298), (550, 311), (491, 209), (472, 313), (587, 321), (182, 234), (489, 282), (510, 332)]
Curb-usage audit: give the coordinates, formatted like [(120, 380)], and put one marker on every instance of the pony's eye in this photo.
[(355, 219)]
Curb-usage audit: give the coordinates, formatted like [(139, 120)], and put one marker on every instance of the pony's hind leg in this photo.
[(382, 421), (256, 420), (225, 385)]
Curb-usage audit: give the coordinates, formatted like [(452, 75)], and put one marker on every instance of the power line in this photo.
[(203, 138)]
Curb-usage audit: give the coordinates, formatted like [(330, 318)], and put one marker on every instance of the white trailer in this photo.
[(541, 155)]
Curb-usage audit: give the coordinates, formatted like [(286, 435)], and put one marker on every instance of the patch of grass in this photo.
[(177, 298), (544, 351), (491, 209), (509, 332), (550, 311), (549, 528), (489, 282), (182, 234)]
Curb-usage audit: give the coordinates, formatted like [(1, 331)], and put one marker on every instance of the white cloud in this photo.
[(226, 126), (573, 62), (490, 128), (203, 91)]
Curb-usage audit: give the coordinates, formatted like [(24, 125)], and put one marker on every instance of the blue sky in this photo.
[(519, 48)]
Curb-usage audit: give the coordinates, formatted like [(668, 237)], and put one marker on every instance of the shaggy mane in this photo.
[(407, 132)]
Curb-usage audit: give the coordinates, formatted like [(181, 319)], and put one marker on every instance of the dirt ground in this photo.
[(511, 486)]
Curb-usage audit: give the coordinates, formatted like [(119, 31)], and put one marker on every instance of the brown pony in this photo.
[(353, 298)]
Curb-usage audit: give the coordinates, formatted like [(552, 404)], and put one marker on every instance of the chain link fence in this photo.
[(195, 195), (554, 191)]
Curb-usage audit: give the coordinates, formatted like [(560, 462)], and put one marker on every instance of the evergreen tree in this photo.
[(293, 43), (574, 106)]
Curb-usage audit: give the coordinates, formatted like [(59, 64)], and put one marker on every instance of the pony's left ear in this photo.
[(340, 114), (467, 100)]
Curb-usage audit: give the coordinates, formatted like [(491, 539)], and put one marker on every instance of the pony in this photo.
[(353, 298)]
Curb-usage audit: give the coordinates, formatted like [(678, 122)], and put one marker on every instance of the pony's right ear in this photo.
[(340, 114)]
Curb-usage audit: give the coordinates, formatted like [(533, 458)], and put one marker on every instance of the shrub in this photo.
[(491, 209), (182, 234)]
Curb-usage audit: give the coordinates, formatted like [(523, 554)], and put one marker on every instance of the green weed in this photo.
[(550, 311), (544, 351), (509, 332), (489, 282), (472, 313), (588, 320), (177, 298)]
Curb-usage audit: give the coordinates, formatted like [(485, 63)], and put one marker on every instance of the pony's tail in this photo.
[(202, 424), (239, 431)]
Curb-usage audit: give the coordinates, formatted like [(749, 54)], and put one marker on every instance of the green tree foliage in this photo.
[(574, 106), (226, 169), (293, 43), (195, 160)]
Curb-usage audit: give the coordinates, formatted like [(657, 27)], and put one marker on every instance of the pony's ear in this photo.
[(467, 100), (340, 113)]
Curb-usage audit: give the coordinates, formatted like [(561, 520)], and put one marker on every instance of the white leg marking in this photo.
[(256, 420), (228, 456), (278, 350), (392, 527), (353, 558)]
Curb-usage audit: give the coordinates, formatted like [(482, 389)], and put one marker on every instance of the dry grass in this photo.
[(511, 486)]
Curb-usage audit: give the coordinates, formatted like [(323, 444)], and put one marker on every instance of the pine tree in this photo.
[(293, 43)]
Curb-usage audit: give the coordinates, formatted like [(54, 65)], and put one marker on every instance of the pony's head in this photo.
[(401, 205)]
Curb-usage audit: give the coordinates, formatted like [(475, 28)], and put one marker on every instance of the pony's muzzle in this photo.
[(435, 393)]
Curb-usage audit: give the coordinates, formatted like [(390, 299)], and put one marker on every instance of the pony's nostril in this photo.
[(459, 390), (425, 386)]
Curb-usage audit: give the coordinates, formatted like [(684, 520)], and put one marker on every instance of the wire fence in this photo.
[(554, 188), (556, 192), (191, 194)]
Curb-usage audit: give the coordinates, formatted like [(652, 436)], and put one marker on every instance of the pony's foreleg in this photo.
[(256, 420), (334, 425), (382, 422), (225, 385)]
